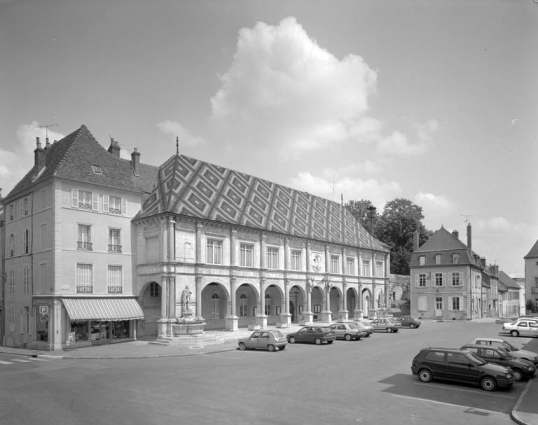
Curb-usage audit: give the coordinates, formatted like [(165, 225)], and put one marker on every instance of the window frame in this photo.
[(335, 264), (296, 260), (84, 278), (246, 255), (214, 253), (273, 258)]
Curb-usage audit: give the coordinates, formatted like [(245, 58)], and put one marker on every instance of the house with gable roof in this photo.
[(99, 249), (68, 253), (509, 296), (446, 278)]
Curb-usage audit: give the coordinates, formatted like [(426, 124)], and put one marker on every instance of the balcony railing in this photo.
[(85, 205), (85, 246), (114, 248), (113, 210), (84, 289), (115, 289)]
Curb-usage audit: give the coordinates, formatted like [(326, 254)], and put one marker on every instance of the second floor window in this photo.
[(214, 252), (272, 258), (296, 261), (84, 278), (114, 205), (350, 265), (456, 279), (11, 249), (334, 264), (114, 240), (379, 268), (422, 280), (84, 241), (26, 241), (438, 279), (366, 268), (84, 200), (247, 255)]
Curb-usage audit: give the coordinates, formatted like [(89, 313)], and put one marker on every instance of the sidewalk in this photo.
[(525, 411)]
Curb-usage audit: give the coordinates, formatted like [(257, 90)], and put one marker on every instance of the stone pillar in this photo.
[(233, 248), (261, 318), (263, 251), (358, 310), (285, 318), (326, 315), (58, 332), (163, 321), (172, 297), (308, 316), (198, 280), (199, 229), (232, 321), (343, 313)]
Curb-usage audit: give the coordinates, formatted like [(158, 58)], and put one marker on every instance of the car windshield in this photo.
[(326, 329), (476, 359), (508, 346), (277, 334)]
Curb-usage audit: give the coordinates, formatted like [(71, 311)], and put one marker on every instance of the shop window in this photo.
[(42, 327), (81, 331)]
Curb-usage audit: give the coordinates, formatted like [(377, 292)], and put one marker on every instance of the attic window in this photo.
[(96, 169)]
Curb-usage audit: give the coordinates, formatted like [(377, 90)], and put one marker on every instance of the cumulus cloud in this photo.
[(174, 128), (285, 90), (377, 192)]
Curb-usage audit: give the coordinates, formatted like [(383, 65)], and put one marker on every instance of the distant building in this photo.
[(531, 276), (522, 293), (510, 296)]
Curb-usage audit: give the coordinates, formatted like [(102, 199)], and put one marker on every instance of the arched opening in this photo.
[(334, 301), (246, 304), (317, 302), (351, 302), (366, 302), (296, 307), (273, 304), (214, 302), (150, 301)]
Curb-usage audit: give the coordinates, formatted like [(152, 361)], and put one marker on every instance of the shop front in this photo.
[(95, 321)]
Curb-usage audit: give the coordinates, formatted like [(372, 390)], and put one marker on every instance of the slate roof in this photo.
[(533, 253), (72, 158), (443, 241), (194, 188), (507, 281)]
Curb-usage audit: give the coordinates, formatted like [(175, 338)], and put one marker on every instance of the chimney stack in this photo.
[(456, 233), (135, 162), (47, 145), (39, 156), (416, 240), (469, 237), (114, 148)]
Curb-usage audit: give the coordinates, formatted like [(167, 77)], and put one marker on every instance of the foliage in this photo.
[(530, 306), (395, 227), (360, 210)]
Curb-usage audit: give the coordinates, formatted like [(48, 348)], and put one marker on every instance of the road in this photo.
[(356, 382)]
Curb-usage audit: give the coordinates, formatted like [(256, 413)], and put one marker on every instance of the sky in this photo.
[(434, 101)]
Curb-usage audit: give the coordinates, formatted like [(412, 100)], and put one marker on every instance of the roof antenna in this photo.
[(467, 217), (177, 145), (46, 127)]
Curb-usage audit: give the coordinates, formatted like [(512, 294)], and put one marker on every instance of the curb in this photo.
[(514, 414)]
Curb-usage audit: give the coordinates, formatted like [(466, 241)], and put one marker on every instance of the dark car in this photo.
[(452, 364), (263, 340), (348, 331), (409, 322), (523, 369), (313, 334)]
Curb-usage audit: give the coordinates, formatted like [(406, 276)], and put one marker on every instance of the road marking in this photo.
[(224, 357), (442, 402), (2, 362), (35, 359), (21, 361), (491, 394)]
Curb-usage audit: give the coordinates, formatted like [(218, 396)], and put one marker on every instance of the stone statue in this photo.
[(186, 298), (381, 300)]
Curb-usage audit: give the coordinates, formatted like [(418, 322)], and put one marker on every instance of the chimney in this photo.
[(416, 240), (114, 148), (39, 156), (456, 233), (135, 162), (47, 145), (469, 237)]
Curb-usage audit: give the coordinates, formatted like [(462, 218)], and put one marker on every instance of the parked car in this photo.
[(514, 351), (348, 331), (457, 365), (263, 340), (369, 329), (313, 334), (523, 327), (367, 323), (409, 321), (386, 324), (523, 369)]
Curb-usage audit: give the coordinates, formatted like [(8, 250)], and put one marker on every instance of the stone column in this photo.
[(326, 315), (163, 321), (198, 280), (172, 297), (308, 316), (343, 313), (285, 318), (358, 310), (261, 318), (233, 248), (199, 229), (232, 321)]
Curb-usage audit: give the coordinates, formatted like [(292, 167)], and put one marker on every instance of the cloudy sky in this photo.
[(434, 101)]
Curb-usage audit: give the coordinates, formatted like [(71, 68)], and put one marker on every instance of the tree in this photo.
[(362, 211)]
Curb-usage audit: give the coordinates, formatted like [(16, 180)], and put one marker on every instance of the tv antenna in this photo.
[(46, 127), (467, 217)]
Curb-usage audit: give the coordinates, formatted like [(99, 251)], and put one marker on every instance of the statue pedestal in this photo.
[(308, 318), (326, 316), (343, 314)]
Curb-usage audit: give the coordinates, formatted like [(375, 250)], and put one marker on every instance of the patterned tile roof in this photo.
[(73, 157), (194, 188)]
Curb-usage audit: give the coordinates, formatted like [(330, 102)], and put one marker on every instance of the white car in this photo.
[(523, 327)]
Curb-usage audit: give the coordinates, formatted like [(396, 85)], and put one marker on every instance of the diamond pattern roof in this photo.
[(194, 188)]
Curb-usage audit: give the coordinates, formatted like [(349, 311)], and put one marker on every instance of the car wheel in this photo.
[(242, 346), (291, 340), (412, 326), (318, 341), (389, 330), (488, 384), (425, 375), (518, 375), (271, 347), (330, 342), (282, 348), (348, 337), (395, 330), (514, 333)]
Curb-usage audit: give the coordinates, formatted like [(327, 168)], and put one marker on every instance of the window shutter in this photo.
[(95, 201), (443, 277), (450, 304), (106, 204), (74, 199), (22, 208), (124, 206)]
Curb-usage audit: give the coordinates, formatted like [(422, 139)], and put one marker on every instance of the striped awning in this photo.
[(104, 309)]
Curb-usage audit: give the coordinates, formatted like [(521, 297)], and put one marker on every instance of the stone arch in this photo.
[(275, 295), (149, 298), (351, 300), (335, 299), (318, 298), (297, 303), (215, 298), (247, 297), (366, 302)]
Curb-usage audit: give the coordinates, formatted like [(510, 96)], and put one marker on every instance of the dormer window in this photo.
[(438, 259), (422, 260), (455, 258), (97, 169)]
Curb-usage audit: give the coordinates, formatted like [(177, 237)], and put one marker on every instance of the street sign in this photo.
[(44, 310)]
